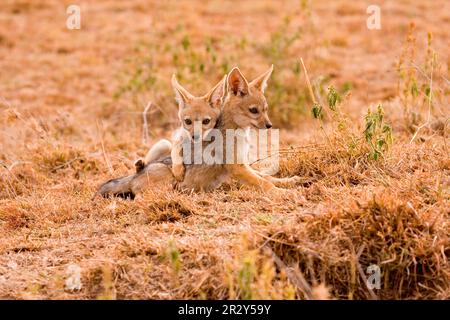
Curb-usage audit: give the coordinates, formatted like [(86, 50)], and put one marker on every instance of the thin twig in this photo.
[(16, 163), (294, 276), (425, 75), (372, 294), (105, 155), (15, 177), (145, 136), (430, 97), (311, 92)]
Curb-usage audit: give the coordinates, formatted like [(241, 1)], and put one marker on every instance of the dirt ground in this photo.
[(71, 104)]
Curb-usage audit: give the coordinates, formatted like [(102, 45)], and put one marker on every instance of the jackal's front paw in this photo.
[(285, 194), (279, 191), (178, 172), (274, 191), (295, 180)]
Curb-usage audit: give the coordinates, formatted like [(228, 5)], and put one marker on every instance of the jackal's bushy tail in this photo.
[(156, 166), (119, 187), (152, 175)]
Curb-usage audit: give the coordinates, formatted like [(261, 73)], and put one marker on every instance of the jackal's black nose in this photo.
[(268, 125)]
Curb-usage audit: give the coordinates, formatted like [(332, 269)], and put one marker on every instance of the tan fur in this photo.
[(154, 175), (160, 149), (194, 110), (241, 96), (244, 107)]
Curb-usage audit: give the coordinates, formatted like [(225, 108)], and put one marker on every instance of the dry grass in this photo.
[(71, 107)]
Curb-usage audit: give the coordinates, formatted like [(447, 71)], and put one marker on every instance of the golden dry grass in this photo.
[(71, 107)]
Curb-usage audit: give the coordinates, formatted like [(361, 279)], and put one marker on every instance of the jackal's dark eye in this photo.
[(253, 110), (188, 121), (206, 121)]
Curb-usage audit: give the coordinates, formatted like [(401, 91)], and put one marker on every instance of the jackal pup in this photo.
[(198, 116)]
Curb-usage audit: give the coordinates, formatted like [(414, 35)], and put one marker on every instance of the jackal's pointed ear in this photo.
[(216, 95), (236, 82), (261, 81), (181, 94)]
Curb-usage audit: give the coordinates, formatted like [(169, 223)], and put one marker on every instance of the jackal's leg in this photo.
[(280, 182), (246, 175), (159, 150), (178, 168), (153, 175)]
